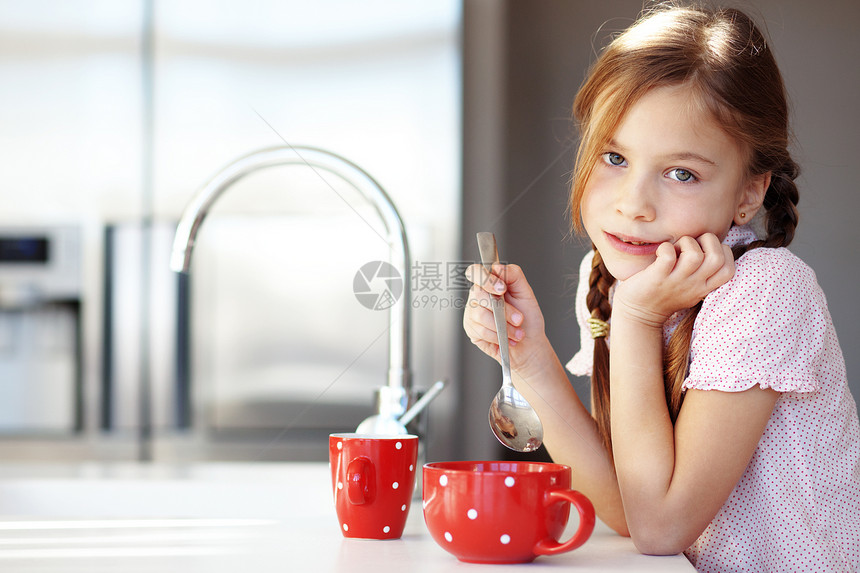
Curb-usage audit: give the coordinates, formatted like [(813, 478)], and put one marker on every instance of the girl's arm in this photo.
[(571, 438), (674, 480), (570, 434)]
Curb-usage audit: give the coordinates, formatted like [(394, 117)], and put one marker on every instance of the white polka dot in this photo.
[(403, 507), (395, 485), (443, 480), (411, 467), (398, 445), (509, 481), (345, 527), (340, 445), (339, 485), (472, 513), (386, 529), (448, 537), (505, 539)]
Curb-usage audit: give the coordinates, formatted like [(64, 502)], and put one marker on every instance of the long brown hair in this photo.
[(723, 58)]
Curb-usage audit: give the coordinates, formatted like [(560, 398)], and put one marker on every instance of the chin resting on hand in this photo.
[(680, 277)]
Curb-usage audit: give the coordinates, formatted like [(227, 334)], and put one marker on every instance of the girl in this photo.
[(721, 423)]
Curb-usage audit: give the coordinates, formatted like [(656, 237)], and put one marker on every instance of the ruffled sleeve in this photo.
[(582, 362), (766, 327)]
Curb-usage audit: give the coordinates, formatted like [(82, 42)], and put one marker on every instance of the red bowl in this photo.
[(502, 512)]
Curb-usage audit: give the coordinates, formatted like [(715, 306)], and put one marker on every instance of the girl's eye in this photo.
[(681, 175), (613, 159)]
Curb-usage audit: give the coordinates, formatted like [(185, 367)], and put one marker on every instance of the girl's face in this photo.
[(669, 171)]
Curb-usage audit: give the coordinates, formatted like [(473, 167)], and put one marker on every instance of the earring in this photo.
[(743, 215)]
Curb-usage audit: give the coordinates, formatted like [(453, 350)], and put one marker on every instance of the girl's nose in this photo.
[(634, 200)]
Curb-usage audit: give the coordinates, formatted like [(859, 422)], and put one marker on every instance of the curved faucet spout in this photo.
[(399, 376)]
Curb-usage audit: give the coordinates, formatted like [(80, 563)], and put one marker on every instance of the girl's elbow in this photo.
[(615, 521), (659, 541), (658, 547), (620, 529)]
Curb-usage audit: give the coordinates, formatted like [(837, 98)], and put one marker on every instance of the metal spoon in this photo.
[(512, 419)]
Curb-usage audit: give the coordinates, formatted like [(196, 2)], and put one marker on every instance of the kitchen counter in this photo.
[(228, 517)]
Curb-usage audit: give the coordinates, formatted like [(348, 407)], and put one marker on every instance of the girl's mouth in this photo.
[(631, 245)]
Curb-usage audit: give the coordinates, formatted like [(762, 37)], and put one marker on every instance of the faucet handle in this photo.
[(387, 423), (422, 402)]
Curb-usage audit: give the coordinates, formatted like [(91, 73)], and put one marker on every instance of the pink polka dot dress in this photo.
[(797, 505)]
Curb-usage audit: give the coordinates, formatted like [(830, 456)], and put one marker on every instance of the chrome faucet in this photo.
[(394, 400)]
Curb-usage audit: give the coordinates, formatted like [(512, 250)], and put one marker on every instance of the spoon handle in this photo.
[(489, 255)]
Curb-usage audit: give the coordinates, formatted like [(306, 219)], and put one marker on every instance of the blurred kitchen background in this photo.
[(113, 113)]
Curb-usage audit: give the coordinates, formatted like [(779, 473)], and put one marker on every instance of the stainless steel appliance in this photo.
[(40, 330)]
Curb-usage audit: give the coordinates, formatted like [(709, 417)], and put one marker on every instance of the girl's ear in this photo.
[(752, 198)]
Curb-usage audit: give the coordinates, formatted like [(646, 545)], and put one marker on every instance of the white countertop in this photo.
[(228, 517)]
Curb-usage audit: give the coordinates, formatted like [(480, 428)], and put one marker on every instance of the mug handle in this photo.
[(586, 522), (359, 481)]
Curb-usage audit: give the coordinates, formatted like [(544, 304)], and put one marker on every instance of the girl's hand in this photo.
[(681, 276), (525, 321)]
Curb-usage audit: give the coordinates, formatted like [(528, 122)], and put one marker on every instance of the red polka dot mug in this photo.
[(373, 477), (503, 512)]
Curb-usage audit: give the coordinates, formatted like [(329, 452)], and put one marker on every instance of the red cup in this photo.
[(503, 512), (373, 477)]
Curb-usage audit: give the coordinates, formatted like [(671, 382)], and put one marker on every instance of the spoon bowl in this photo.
[(513, 420)]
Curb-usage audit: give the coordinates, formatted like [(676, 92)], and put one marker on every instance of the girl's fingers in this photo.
[(714, 254), (491, 350), (480, 324), (666, 258), (486, 286), (724, 272), (479, 315), (718, 265), (705, 260), (690, 255), (710, 243), (479, 332), (490, 282), (703, 257)]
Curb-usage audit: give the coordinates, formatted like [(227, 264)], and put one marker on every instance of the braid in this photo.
[(676, 359), (599, 282), (597, 302), (780, 204)]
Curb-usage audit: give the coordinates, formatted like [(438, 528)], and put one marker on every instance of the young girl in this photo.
[(721, 423)]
